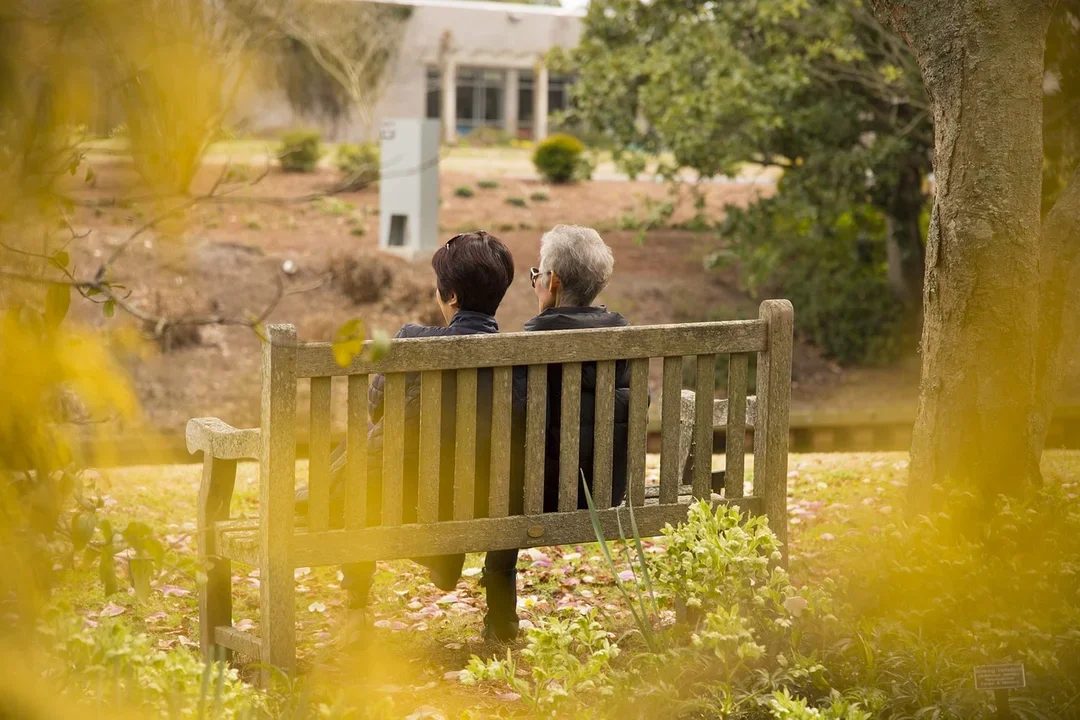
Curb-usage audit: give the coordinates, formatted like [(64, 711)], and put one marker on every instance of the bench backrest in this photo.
[(286, 362)]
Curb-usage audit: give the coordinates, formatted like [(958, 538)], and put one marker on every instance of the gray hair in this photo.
[(581, 259)]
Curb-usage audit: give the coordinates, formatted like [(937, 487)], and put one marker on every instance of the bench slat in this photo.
[(603, 433), (525, 348), (501, 396), (482, 534), (735, 441), (393, 448), (319, 463), (245, 643), (637, 430), (465, 445), (703, 425), (569, 440), (427, 508), (356, 453), (535, 438), (671, 402)]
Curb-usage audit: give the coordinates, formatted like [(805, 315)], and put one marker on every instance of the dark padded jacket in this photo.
[(466, 322), (574, 318)]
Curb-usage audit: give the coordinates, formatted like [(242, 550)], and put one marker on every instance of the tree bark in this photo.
[(982, 63)]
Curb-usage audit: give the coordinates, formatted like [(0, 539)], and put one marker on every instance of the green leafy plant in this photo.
[(641, 614), (539, 197), (515, 202), (358, 164), (112, 667), (828, 255), (487, 137), (561, 159), (300, 151), (464, 191), (569, 656), (334, 206), (631, 163), (487, 184)]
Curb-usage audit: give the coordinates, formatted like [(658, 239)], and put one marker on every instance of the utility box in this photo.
[(409, 187)]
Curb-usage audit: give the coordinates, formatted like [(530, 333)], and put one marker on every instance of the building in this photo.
[(468, 64)]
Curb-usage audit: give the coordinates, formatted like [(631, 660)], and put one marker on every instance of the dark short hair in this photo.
[(477, 268)]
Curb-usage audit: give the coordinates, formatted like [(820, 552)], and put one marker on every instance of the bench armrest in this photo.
[(720, 413), (221, 440)]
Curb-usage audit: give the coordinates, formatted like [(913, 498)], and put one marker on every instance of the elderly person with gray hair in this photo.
[(575, 266)]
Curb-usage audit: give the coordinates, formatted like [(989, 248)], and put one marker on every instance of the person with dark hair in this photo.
[(472, 273)]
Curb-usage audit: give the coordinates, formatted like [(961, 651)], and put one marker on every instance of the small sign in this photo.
[(1000, 677), (387, 131)]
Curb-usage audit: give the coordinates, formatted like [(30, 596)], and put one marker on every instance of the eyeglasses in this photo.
[(534, 274)]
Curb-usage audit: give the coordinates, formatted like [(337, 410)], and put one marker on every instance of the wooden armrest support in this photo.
[(720, 412), (221, 440), (686, 411)]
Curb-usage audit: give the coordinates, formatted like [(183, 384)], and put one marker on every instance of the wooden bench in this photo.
[(274, 544)]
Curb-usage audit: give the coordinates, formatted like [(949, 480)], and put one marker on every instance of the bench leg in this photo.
[(277, 619), (215, 597)]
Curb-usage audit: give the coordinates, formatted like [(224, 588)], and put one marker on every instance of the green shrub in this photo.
[(463, 191), (487, 184), (300, 151), (515, 202), (539, 197), (567, 654), (358, 164), (112, 666), (827, 255), (560, 159), (631, 163), (487, 137)]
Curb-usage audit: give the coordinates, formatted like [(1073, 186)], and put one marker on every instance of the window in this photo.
[(434, 94), (558, 98), (480, 98), (558, 93)]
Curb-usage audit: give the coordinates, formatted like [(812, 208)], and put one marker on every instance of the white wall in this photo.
[(476, 34)]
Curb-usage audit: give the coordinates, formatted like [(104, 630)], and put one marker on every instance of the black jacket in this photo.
[(466, 322), (574, 318)]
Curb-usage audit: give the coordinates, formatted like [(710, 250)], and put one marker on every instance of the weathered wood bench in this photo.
[(273, 542)]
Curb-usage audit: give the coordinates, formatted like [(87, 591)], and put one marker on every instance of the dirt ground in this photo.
[(228, 257)]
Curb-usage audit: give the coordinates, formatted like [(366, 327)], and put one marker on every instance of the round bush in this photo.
[(300, 151), (559, 159), (358, 164)]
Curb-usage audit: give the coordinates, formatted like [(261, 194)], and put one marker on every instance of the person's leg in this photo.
[(445, 569), (500, 584), (357, 579)]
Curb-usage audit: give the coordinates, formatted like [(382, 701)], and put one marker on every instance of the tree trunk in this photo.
[(982, 63)]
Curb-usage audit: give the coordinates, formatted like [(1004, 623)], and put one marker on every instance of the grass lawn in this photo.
[(479, 161), (423, 636)]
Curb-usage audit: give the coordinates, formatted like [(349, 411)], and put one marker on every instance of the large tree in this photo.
[(1002, 285), (819, 88)]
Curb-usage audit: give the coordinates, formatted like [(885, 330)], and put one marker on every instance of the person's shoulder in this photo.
[(411, 330)]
